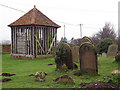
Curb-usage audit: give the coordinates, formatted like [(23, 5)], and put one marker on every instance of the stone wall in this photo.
[(5, 48)]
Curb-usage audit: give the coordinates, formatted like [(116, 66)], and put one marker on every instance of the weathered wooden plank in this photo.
[(30, 41), (11, 40), (56, 37), (41, 40)]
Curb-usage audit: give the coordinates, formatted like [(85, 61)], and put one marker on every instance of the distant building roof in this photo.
[(34, 17)]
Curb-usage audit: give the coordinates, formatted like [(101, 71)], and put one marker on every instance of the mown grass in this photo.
[(23, 67)]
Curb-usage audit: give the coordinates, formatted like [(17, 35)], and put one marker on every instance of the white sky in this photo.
[(91, 13)]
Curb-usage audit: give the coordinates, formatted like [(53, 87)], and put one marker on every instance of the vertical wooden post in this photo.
[(11, 40), (37, 33), (33, 41), (46, 36), (40, 40), (50, 36), (28, 41), (55, 36), (25, 40), (15, 39), (44, 39)]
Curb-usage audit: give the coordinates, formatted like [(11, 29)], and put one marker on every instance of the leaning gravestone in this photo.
[(88, 58), (112, 50), (63, 55)]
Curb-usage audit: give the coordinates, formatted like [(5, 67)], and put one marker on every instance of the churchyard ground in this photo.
[(23, 67)]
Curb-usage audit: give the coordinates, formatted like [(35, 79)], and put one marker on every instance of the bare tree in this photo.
[(106, 32)]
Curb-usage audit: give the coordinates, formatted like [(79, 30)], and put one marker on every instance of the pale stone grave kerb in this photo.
[(112, 50), (104, 55), (88, 58), (63, 55)]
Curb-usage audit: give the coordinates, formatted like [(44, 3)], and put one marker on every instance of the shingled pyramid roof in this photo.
[(34, 17)]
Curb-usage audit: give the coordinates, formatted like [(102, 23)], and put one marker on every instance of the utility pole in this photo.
[(81, 30), (64, 31)]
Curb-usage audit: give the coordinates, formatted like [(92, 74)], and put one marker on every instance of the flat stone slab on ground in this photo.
[(31, 75), (7, 74), (5, 80), (50, 64), (77, 74), (65, 79)]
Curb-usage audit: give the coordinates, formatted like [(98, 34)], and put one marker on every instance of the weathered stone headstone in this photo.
[(71, 45), (117, 58), (104, 55), (112, 50), (63, 55), (88, 58), (0, 48), (86, 39), (75, 54)]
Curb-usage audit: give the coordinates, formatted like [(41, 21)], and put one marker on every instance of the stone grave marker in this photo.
[(75, 54), (112, 50), (88, 58), (85, 39), (104, 55), (63, 55)]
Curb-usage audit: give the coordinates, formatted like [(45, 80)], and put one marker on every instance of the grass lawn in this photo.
[(23, 67)]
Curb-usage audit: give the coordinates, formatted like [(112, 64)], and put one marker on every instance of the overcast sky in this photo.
[(91, 13)]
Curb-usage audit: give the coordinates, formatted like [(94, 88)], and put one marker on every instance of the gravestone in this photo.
[(71, 45), (63, 55), (85, 39), (104, 55), (117, 58), (112, 50), (75, 54), (88, 58), (0, 48)]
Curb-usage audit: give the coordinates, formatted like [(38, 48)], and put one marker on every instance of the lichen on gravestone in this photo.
[(63, 55), (117, 58), (112, 50), (86, 39), (88, 58)]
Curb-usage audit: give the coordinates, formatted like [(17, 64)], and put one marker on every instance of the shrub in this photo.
[(103, 45)]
